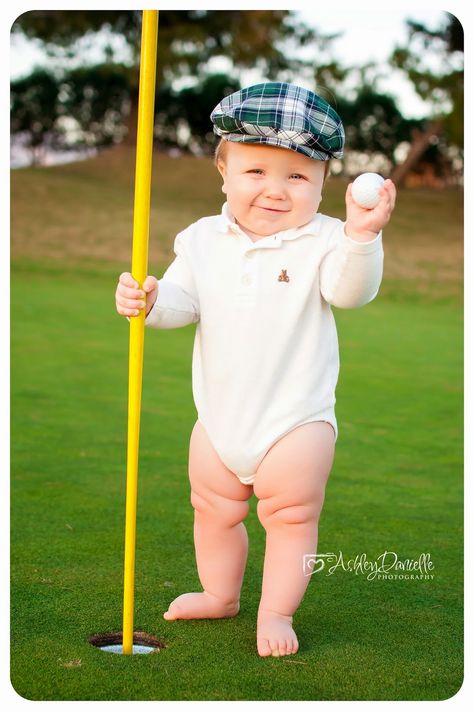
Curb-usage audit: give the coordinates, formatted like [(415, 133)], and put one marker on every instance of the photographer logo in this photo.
[(387, 566)]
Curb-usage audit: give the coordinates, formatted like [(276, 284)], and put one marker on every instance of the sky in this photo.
[(369, 35), (366, 35)]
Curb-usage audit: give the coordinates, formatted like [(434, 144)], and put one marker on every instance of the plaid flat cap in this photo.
[(280, 114)]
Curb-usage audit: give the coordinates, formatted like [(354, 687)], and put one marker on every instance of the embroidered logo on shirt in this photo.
[(283, 276)]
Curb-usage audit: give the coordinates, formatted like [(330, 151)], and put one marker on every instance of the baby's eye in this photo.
[(298, 176), (259, 171)]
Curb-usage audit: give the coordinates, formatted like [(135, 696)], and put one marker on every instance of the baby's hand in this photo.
[(364, 225), (129, 299)]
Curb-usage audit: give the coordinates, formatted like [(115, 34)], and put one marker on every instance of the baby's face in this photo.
[(270, 189)]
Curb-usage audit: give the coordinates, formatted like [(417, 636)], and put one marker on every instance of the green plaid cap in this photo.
[(280, 114)]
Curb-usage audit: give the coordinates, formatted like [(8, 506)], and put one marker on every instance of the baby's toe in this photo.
[(263, 647), (172, 612), (275, 647)]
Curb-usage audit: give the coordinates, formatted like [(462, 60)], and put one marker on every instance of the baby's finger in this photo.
[(128, 293), (150, 283), (349, 199), (130, 303), (393, 194), (124, 311), (384, 197), (127, 280), (389, 190), (384, 206)]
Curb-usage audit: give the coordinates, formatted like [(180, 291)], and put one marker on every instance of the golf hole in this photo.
[(143, 643)]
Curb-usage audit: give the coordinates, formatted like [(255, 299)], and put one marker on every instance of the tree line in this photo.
[(96, 105)]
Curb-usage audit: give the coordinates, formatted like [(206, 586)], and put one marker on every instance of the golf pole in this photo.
[(141, 220)]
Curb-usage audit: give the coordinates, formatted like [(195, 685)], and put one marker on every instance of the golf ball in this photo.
[(365, 189)]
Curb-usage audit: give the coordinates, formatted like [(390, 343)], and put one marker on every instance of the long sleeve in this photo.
[(351, 271), (178, 302)]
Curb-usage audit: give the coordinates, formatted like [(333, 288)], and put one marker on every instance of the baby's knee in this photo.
[(273, 512), (218, 509)]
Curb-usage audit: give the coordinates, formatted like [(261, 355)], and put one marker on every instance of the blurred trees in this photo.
[(373, 124), (188, 39), (97, 98), (86, 109), (83, 109), (182, 117), (441, 86), (34, 110)]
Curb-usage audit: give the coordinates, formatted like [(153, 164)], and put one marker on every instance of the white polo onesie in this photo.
[(265, 356)]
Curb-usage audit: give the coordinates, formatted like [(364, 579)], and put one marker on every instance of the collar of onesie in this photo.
[(228, 224)]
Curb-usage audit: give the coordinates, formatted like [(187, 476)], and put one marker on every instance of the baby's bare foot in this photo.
[(275, 634), (200, 605)]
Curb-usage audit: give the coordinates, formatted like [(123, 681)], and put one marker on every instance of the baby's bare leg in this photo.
[(220, 538), (290, 485)]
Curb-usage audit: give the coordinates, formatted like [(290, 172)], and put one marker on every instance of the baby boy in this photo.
[(259, 280)]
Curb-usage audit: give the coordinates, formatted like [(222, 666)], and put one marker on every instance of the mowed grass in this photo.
[(396, 484)]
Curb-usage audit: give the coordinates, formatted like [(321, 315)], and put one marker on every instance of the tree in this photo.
[(442, 89), (183, 117), (33, 103), (84, 108), (373, 123), (95, 98)]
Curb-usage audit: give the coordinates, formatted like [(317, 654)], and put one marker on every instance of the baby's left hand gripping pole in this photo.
[(141, 222)]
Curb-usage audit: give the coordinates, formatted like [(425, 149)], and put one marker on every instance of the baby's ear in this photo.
[(221, 167)]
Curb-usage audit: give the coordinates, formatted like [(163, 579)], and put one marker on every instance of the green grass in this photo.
[(396, 482)]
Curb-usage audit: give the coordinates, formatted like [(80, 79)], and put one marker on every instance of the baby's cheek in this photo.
[(311, 207)]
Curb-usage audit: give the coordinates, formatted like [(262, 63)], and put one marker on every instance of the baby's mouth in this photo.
[(270, 209)]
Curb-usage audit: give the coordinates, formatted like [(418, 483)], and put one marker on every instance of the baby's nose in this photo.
[(275, 189)]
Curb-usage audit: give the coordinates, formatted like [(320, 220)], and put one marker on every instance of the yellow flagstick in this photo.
[(141, 219)]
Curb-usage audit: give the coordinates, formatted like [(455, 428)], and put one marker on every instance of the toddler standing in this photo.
[(259, 280)]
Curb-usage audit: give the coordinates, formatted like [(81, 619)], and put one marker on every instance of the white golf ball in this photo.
[(365, 189)]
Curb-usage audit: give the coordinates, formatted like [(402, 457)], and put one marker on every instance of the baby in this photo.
[(259, 280)]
